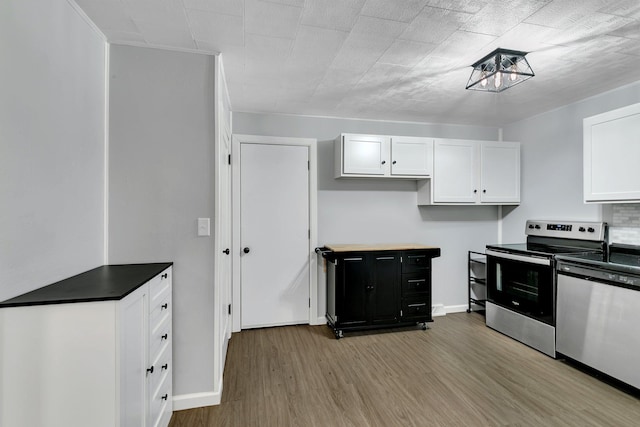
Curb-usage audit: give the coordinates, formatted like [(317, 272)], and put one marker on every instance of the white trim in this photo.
[(320, 321), (456, 308), (500, 217), (86, 19), (311, 143), (107, 57), (163, 47), (360, 119), (223, 77), (195, 400)]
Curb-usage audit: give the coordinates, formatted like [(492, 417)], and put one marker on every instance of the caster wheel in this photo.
[(425, 327), (468, 310), (339, 335)]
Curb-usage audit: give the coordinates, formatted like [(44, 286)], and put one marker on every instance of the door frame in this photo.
[(311, 144)]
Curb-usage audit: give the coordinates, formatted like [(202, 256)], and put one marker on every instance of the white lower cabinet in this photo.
[(467, 172), (99, 363)]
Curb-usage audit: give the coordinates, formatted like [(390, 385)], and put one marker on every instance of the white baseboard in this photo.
[(456, 308), (195, 400), (438, 310), (320, 321), (443, 310)]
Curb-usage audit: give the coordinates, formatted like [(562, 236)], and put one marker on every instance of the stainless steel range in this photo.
[(521, 278)]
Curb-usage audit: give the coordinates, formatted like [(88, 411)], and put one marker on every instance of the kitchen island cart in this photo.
[(378, 286)]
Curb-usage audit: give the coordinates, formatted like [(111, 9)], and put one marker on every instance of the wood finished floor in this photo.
[(457, 373)]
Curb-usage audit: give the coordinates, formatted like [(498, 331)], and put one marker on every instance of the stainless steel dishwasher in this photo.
[(598, 313)]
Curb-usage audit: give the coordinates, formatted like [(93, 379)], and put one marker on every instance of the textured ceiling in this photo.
[(405, 60)]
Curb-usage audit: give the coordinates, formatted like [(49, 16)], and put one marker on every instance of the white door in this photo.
[(225, 229), (274, 235)]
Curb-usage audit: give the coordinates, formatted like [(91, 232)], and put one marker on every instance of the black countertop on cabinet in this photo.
[(105, 283)]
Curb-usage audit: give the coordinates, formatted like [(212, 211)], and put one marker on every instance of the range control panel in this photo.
[(567, 229)]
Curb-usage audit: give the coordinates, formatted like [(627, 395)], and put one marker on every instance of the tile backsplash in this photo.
[(624, 223)]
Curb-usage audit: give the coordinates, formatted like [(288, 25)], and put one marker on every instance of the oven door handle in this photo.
[(522, 258)]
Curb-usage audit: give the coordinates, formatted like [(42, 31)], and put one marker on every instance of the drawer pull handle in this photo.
[(150, 370), (164, 276), (165, 366), (165, 336), (417, 280), (416, 305), (164, 306), (165, 397)]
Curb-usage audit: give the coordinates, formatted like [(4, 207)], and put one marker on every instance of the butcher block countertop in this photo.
[(348, 247)]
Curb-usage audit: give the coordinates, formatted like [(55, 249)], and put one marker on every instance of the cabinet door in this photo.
[(455, 171), (352, 305), (411, 156), (365, 154), (133, 358), (384, 288), (500, 172), (611, 153)]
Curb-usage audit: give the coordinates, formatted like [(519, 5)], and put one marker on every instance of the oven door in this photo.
[(521, 283)]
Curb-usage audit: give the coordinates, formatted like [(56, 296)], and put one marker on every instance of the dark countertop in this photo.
[(106, 283)]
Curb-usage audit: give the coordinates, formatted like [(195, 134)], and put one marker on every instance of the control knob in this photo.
[(530, 225), (537, 227), (591, 230), (582, 229)]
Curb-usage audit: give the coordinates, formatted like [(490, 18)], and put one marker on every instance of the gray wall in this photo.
[(161, 138), (386, 211), (552, 161), (51, 145)]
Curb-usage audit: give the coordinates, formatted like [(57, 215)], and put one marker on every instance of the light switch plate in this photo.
[(204, 228)]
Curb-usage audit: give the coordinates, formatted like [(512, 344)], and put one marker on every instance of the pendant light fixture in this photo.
[(500, 70)]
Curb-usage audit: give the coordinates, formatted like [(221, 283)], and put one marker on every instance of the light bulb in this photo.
[(513, 76), (497, 82), (484, 81)]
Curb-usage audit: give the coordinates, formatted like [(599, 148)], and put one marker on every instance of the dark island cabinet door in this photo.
[(384, 288), (352, 307)]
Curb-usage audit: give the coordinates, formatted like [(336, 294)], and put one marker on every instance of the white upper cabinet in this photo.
[(411, 156), (500, 172), (611, 153), (473, 172), (456, 171), (361, 156), (365, 154)]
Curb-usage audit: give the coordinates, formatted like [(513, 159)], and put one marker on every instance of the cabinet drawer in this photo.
[(159, 337), (161, 370), (161, 309), (415, 262), (160, 403), (159, 286), (418, 309), (415, 283)]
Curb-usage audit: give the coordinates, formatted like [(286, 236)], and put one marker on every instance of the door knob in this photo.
[(226, 251), (246, 250)]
